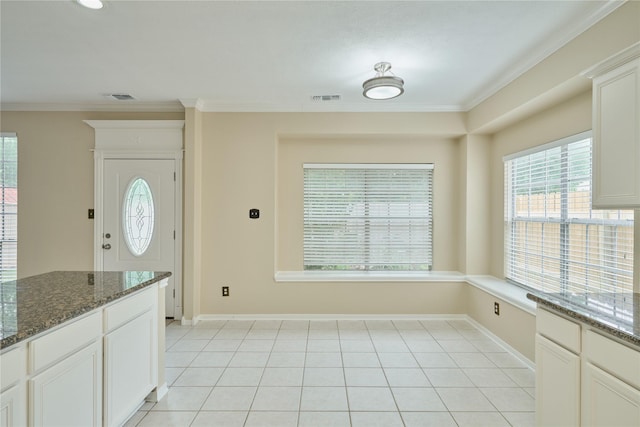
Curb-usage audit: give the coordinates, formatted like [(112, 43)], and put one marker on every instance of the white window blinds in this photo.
[(554, 241), (8, 206), (375, 217)]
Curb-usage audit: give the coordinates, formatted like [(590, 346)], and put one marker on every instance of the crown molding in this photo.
[(614, 61), (120, 106), (211, 106), (196, 103), (545, 49), (135, 124)]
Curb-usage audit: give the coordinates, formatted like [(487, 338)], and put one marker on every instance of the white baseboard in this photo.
[(158, 393), (189, 322), (530, 364), (205, 317)]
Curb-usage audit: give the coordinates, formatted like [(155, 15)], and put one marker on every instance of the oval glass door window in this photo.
[(138, 216)]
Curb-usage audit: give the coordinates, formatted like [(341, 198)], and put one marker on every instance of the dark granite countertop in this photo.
[(34, 304), (616, 314)]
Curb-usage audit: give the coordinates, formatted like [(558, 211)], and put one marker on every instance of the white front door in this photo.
[(138, 206)]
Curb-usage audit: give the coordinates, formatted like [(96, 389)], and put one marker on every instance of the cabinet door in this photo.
[(607, 401), (70, 392), (130, 367), (557, 385), (13, 407), (13, 400), (616, 138)]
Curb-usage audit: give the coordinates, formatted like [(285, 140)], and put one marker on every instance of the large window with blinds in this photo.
[(554, 241), (368, 217), (8, 230), (8, 206)]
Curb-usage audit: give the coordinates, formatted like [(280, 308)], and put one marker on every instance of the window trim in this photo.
[(367, 276), (548, 146), (415, 166)]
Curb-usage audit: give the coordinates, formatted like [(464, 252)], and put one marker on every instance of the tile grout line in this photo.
[(404, 339)]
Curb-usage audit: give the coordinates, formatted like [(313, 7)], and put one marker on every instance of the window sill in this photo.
[(499, 288), (369, 276), (504, 290)]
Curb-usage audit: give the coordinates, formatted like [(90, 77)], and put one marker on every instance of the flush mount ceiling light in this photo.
[(91, 4), (381, 86)]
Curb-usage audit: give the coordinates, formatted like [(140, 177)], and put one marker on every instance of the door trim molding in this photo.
[(139, 139)]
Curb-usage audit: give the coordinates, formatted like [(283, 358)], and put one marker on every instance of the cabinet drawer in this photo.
[(13, 366), (57, 345), (560, 330), (611, 356), (129, 308)]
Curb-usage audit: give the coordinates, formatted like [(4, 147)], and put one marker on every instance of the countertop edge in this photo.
[(585, 318), (53, 322)]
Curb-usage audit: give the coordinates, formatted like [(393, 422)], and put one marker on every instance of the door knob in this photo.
[(106, 246)]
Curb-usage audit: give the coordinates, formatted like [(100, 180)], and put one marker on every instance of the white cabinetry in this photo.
[(616, 131), (13, 392), (69, 393), (65, 388), (558, 391), (608, 401), (611, 382), (130, 355), (583, 377), (557, 371), (12, 407), (91, 371)]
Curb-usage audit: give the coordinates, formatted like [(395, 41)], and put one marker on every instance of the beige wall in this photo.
[(255, 161), (55, 181), (573, 116), (515, 326), (474, 213), (192, 214)]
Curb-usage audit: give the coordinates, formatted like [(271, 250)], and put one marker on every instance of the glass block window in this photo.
[(138, 216)]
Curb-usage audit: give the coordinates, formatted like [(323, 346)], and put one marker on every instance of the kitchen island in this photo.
[(587, 359), (81, 348)]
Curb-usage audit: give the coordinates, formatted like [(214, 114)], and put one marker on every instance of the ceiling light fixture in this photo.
[(91, 4), (381, 86)]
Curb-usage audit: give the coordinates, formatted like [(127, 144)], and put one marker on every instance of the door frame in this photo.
[(141, 140)]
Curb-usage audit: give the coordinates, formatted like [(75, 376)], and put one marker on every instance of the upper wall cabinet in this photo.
[(616, 130)]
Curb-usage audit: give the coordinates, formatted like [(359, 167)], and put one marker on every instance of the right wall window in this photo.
[(554, 241)]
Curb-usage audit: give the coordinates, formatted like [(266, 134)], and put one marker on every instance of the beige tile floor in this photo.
[(339, 373)]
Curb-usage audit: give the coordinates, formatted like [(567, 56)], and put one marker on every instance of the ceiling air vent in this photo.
[(325, 98), (122, 96)]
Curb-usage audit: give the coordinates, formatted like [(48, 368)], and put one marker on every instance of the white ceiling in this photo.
[(274, 56)]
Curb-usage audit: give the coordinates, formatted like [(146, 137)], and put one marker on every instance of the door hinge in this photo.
[(174, 293), (174, 176), (174, 234)]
